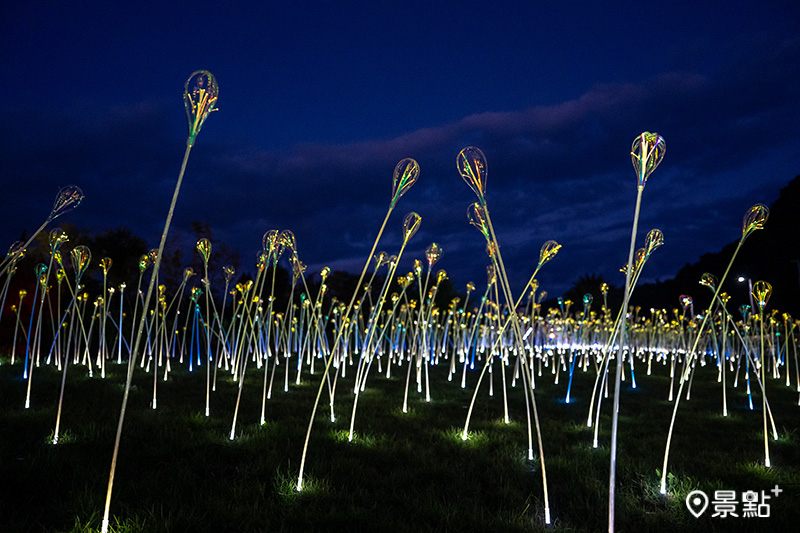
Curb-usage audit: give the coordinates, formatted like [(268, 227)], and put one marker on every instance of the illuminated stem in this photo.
[(612, 477), (222, 347), (489, 359), (764, 392), (335, 348), (689, 356), (366, 350), (131, 366), (66, 360), (268, 320), (7, 263), (5, 293), (208, 323), (515, 322), (242, 356), (119, 327)]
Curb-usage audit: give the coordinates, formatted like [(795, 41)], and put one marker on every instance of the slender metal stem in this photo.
[(336, 347), (612, 476), (143, 319)]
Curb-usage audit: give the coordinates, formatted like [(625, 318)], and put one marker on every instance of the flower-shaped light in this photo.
[(200, 95), (762, 290), (204, 249), (67, 199), (411, 224), (647, 152), (405, 175), (547, 252), (471, 164), (754, 219)]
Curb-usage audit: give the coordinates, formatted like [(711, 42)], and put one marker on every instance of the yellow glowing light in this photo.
[(647, 152), (548, 251), (762, 290), (81, 256), (204, 249), (433, 253), (754, 219), (406, 173), (709, 280), (411, 224), (471, 164), (200, 95)]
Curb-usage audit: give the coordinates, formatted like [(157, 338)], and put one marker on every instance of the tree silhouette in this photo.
[(591, 284)]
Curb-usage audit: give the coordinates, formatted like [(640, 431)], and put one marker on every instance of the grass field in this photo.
[(178, 470)]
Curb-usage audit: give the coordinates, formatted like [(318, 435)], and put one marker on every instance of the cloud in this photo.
[(555, 172)]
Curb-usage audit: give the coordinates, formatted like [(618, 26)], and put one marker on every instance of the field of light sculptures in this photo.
[(391, 328)]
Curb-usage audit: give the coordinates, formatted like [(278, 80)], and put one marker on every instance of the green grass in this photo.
[(178, 471)]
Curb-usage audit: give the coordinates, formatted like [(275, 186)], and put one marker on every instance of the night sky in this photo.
[(319, 100)]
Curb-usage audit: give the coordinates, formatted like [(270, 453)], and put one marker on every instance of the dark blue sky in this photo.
[(319, 101)]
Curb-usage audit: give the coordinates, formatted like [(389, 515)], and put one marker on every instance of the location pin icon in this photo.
[(697, 502)]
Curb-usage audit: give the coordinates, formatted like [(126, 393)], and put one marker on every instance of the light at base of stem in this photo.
[(547, 515)]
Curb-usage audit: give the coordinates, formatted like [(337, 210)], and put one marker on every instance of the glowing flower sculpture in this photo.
[(433, 253), (471, 165), (761, 293), (547, 252), (476, 216), (647, 152), (204, 249), (411, 224), (405, 174), (755, 219), (200, 93), (81, 257), (67, 199)]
